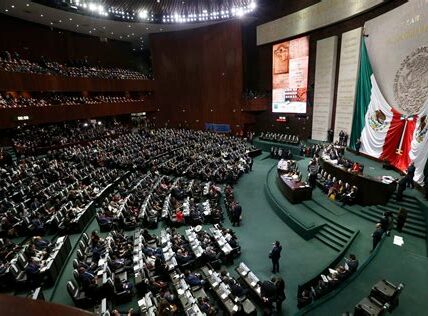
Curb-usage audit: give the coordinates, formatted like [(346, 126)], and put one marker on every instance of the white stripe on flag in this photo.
[(377, 121)]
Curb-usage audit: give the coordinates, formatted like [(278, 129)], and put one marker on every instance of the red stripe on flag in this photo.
[(393, 138)]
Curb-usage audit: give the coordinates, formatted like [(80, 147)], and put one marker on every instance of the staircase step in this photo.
[(372, 213), (331, 231), (412, 226), (344, 231), (408, 228), (311, 205), (331, 238), (327, 242), (367, 216), (330, 206), (408, 206), (407, 198), (410, 220), (412, 232), (417, 215)]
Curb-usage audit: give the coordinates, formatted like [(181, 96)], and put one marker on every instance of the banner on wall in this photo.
[(290, 76)]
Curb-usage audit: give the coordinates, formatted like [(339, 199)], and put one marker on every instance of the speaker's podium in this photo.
[(369, 306)]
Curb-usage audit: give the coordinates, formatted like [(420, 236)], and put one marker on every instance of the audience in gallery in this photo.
[(337, 190), (57, 99), (280, 138), (29, 264), (63, 182), (59, 186), (336, 156), (327, 281), (82, 68), (123, 255), (40, 195), (5, 157), (30, 140)]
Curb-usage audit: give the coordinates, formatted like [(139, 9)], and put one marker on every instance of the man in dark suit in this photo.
[(377, 235), (410, 175), (274, 255), (236, 214), (33, 271), (401, 188), (330, 135), (358, 146), (268, 293), (312, 173), (192, 279)]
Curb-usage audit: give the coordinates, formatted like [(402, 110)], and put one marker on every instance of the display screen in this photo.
[(290, 76)]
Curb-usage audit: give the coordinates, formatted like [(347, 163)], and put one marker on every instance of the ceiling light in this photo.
[(92, 6), (143, 14)]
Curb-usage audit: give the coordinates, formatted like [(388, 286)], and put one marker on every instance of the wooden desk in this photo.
[(371, 190), (295, 192)]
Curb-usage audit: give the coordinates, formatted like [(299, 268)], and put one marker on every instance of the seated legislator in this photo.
[(356, 168)]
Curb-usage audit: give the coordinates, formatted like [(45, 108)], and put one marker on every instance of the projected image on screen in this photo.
[(290, 76)]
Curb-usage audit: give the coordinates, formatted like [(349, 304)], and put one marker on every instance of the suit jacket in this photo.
[(276, 252), (237, 210)]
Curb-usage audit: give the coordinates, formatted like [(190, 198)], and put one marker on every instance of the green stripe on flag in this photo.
[(362, 100)]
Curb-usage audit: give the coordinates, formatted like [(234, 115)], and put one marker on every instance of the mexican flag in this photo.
[(385, 133)]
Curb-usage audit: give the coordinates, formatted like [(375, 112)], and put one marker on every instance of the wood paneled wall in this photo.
[(33, 40), (199, 76)]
